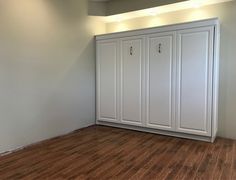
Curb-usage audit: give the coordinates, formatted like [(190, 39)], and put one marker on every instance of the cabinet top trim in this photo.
[(172, 27)]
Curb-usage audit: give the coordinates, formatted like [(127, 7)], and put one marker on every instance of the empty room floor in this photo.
[(100, 152)]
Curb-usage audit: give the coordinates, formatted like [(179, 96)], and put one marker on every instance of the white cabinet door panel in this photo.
[(195, 62), (132, 56), (107, 54), (160, 81)]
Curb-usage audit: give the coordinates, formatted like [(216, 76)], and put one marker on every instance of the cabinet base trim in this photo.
[(156, 131)]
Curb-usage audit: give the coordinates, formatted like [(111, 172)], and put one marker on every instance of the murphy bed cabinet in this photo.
[(162, 80)]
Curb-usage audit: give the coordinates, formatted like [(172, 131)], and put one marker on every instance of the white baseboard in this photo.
[(156, 131), (38, 142)]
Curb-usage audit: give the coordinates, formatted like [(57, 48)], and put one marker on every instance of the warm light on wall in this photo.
[(121, 27), (197, 3), (152, 12), (156, 21), (197, 15), (162, 9)]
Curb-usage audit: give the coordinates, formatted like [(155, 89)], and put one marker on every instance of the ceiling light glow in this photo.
[(152, 12), (161, 10), (196, 3)]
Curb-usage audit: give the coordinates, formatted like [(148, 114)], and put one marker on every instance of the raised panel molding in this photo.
[(160, 81), (107, 57), (132, 71), (194, 84)]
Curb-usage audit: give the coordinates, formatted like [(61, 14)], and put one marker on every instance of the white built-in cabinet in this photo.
[(162, 80)]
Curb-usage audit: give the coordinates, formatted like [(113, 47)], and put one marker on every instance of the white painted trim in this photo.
[(155, 131), (216, 80)]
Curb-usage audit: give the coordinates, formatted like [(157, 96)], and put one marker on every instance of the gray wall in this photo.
[(122, 6), (106, 8), (97, 8), (47, 69), (227, 15)]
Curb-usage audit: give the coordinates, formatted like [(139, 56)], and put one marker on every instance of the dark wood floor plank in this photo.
[(208, 162), (220, 161), (233, 171), (100, 152), (178, 161), (156, 159)]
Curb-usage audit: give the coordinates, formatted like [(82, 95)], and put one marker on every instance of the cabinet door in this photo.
[(160, 81), (132, 59), (107, 56), (195, 64)]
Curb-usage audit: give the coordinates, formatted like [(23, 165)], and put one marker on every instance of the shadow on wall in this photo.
[(96, 8), (66, 103), (99, 8), (69, 11), (47, 70), (123, 6)]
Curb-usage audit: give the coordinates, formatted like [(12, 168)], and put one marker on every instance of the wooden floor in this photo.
[(101, 152)]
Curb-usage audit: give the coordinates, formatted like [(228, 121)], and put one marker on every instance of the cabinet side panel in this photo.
[(216, 80)]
